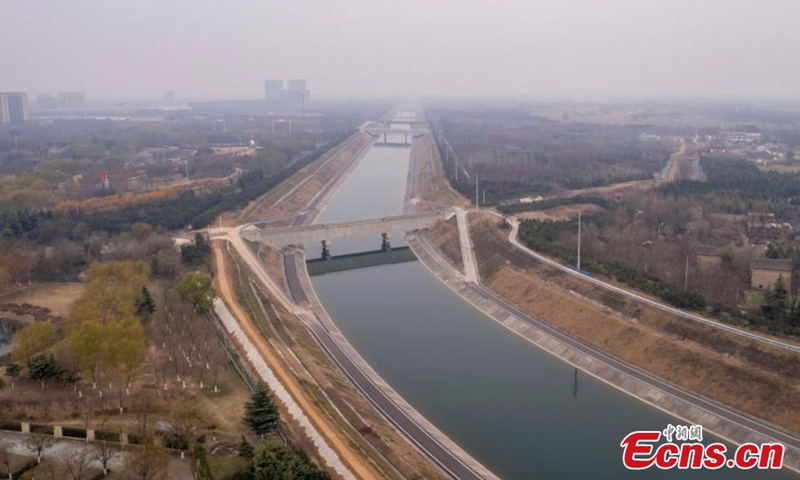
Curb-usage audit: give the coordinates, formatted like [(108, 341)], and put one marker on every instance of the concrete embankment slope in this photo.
[(330, 457), (733, 426), (419, 431)]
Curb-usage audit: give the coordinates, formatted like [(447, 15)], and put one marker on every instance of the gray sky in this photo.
[(536, 48)]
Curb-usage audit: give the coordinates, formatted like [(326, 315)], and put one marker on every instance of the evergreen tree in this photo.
[(13, 370), (261, 415), (245, 450), (146, 305), (274, 460), (197, 253), (43, 367), (774, 308)]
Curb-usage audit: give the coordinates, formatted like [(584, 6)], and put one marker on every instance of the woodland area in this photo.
[(517, 154), (137, 350), (649, 240), (543, 161)]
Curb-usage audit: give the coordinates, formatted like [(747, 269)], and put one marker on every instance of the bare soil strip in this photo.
[(323, 424)]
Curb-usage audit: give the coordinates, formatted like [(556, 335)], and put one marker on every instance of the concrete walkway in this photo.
[(467, 252)]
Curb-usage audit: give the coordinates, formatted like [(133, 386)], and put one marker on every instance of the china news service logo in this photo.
[(682, 448)]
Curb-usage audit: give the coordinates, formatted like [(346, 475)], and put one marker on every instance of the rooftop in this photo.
[(782, 264)]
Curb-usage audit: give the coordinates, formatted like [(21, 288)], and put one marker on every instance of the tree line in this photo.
[(188, 208)]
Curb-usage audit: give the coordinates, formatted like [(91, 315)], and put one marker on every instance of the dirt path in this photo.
[(329, 431)]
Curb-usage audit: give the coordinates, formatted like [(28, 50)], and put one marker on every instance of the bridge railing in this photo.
[(328, 231)]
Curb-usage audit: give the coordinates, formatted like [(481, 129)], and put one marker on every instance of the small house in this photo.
[(708, 256), (765, 273)]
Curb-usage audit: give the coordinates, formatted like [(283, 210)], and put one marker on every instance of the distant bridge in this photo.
[(325, 232), (387, 135)]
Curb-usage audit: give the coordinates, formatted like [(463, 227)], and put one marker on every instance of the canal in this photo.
[(518, 410)]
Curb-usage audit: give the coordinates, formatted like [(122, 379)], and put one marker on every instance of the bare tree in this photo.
[(52, 471), (148, 464), (39, 443), (5, 459), (78, 464), (104, 453)]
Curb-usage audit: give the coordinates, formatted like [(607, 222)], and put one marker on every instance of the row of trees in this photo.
[(741, 177), (173, 212)]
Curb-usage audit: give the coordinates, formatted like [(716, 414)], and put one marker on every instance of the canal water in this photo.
[(521, 412)]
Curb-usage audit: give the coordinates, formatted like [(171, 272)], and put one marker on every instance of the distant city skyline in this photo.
[(503, 48)]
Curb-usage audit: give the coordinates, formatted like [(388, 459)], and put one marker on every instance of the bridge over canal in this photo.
[(326, 232)]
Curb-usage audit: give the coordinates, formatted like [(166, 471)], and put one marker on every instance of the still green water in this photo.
[(512, 406)]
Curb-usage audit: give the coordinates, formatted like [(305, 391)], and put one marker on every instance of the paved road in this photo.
[(410, 428), (467, 253), (306, 233), (512, 237)]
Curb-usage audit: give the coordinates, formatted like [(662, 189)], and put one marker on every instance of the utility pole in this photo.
[(686, 275), (579, 239), (477, 207), (575, 384)]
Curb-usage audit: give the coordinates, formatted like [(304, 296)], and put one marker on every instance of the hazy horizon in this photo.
[(604, 48)]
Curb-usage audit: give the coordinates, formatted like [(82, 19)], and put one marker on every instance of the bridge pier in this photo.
[(386, 244), (326, 250)]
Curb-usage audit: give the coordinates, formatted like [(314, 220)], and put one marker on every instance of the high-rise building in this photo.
[(70, 100), (296, 84), (298, 90), (273, 89), (46, 101), (13, 108)]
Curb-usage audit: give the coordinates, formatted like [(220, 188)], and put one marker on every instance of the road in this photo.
[(426, 442), (675, 163), (467, 252), (415, 433), (316, 232), (512, 237), (328, 436)]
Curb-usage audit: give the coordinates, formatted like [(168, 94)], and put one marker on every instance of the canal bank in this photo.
[(519, 411), (690, 408)]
